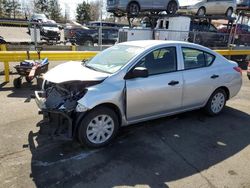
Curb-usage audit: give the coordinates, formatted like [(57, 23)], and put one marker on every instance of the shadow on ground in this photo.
[(26, 90), (150, 153)]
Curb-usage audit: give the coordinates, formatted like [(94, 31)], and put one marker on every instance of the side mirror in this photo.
[(138, 72)]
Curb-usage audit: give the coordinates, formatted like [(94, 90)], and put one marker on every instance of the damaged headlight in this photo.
[(64, 96), (81, 108)]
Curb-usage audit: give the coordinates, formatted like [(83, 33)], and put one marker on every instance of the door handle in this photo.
[(214, 76), (173, 82)]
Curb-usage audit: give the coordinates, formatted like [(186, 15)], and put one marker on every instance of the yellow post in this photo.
[(3, 47), (73, 47), (7, 71)]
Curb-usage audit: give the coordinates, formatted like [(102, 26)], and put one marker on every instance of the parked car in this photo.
[(70, 31), (248, 71), (243, 3), (38, 18), (133, 82), (91, 36), (50, 31), (207, 34), (208, 7), (134, 7), (242, 33)]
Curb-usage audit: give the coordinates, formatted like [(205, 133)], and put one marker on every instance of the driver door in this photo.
[(160, 92)]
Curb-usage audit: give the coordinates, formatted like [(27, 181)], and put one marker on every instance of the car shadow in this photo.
[(150, 153), (26, 90)]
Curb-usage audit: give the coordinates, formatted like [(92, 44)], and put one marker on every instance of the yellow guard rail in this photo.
[(17, 56)]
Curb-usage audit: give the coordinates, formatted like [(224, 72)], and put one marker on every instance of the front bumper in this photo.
[(58, 123)]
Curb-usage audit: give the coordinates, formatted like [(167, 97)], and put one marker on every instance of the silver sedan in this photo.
[(133, 82)]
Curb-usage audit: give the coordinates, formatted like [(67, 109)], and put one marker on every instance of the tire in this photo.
[(88, 43), (201, 11), (87, 133), (133, 9), (17, 82), (172, 7), (248, 77), (229, 12), (216, 102)]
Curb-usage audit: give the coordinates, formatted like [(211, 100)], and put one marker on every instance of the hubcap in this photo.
[(217, 102), (100, 129)]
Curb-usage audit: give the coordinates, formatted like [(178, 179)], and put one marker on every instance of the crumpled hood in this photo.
[(73, 71)]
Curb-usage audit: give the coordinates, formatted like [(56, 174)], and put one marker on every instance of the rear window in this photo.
[(194, 58)]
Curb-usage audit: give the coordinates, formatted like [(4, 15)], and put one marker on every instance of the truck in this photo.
[(180, 28)]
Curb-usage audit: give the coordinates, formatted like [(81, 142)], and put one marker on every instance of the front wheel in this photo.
[(216, 102), (172, 7), (201, 12), (133, 9), (98, 127)]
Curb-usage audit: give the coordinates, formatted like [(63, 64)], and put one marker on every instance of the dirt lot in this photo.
[(186, 150)]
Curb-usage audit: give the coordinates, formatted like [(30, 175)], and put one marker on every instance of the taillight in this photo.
[(238, 69)]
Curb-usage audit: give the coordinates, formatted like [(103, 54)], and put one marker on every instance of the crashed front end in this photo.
[(59, 106)]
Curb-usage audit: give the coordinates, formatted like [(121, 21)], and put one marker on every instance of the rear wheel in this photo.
[(98, 127), (172, 7), (216, 102), (201, 11)]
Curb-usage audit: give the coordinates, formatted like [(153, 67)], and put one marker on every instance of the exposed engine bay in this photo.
[(59, 102), (64, 96)]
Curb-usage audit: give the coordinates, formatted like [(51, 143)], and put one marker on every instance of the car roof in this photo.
[(151, 43)]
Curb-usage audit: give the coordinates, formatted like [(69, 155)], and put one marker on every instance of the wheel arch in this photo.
[(225, 89), (111, 106)]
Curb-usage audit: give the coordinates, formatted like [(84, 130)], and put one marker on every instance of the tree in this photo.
[(10, 8), (54, 10), (83, 12), (42, 6), (95, 7)]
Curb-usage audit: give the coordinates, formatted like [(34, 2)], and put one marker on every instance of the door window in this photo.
[(194, 58), (160, 61)]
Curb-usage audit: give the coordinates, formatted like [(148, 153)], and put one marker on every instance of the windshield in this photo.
[(114, 58)]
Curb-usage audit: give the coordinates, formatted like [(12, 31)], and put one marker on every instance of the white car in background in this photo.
[(208, 7)]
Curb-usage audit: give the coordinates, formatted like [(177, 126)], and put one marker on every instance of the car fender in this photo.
[(106, 92)]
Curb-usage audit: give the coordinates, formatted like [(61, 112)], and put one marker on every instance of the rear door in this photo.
[(161, 91), (200, 76)]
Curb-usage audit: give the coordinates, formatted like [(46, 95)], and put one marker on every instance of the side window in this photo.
[(194, 58), (160, 61)]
